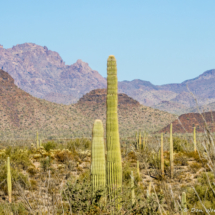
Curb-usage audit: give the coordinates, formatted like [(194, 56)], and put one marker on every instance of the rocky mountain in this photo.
[(23, 114), (43, 74), (186, 122)]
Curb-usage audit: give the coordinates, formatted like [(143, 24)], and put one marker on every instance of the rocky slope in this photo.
[(186, 122)]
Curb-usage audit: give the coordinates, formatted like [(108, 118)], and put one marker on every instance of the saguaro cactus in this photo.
[(194, 138), (149, 189), (183, 204), (114, 163), (139, 142), (171, 152), (161, 156), (37, 141), (132, 189), (98, 171), (9, 184)]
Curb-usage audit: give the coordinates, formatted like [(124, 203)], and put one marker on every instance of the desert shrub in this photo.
[(17, 178), (32, 170), (63, 156), (18, 156), (204, 191), (179, 144), (13, 208), (180, 159), (195, 166), (45, 163), (49, 145)]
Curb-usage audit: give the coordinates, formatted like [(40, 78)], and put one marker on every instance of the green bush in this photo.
[(49, 145)]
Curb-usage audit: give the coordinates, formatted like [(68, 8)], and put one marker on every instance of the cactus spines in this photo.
[(171, 152), (183, 204), (114, 163), (98, 171), (194, 138), (132, 189), (161, 156), (9, 185)]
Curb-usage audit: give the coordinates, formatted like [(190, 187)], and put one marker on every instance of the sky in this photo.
[(161, 41)]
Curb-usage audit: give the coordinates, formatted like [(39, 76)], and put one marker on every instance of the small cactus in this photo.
[(132, 189), (98, 171), (149, 189), (194, 138), (9, 184), (171, 152), (183, 204)]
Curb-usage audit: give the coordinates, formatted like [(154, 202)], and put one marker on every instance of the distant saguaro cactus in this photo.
[(9, 184), (149, 189), (194, 138), (171, 152), (139, 142), (138, 171), (98, 171), (37, 141), (183, 204), (114, 163), (161, 156)]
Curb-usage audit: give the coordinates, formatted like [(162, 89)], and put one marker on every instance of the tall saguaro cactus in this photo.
[(171, 152), (114, 163), (9, 184), (98, 171), (161, 156), (194, 138)]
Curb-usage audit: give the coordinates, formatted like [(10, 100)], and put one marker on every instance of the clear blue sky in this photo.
[(161, 41)]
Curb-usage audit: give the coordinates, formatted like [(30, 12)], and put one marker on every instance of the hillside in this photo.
[(132, 115), (24, 114), (186, 122)]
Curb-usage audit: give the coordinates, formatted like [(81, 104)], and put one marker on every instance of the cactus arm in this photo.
[(183, 204)]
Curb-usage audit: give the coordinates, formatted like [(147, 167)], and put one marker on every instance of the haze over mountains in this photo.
[(43, 74)]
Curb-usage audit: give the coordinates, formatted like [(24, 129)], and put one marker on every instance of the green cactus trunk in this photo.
[(98, 171), (161, 157), (194, 138), (9, 184), (149, 189), (183, 204), (114, 163), (171, 152), (132, 189)]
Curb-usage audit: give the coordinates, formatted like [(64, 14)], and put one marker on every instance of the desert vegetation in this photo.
[(146, 173)]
